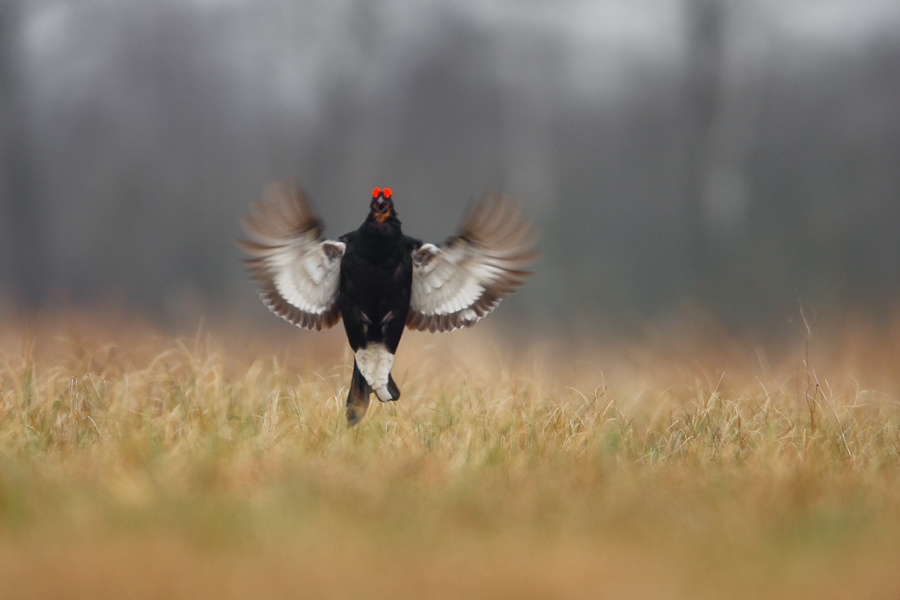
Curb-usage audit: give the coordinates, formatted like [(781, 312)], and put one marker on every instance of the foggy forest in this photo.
[(712, 155)]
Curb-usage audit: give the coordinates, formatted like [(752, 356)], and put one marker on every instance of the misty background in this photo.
[(724, 156)]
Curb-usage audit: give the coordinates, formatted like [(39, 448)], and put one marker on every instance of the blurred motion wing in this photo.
[(297, 269), (462, 280)]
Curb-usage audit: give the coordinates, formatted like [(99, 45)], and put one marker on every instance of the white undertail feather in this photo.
[(375, 362)]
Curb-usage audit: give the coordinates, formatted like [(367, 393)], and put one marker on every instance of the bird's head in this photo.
[(382, 207)]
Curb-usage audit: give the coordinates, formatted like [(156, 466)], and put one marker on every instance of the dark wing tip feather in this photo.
[(283, 211)]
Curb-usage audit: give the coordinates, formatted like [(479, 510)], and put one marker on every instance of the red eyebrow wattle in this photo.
[(375, 192), (386, 192)]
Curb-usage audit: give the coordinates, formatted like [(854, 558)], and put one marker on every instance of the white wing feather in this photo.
[(298, 271), (458, 283)]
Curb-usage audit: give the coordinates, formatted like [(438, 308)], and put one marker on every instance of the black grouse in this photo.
[(378, 279)]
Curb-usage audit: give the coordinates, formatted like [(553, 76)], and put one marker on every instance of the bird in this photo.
[(379, 280)]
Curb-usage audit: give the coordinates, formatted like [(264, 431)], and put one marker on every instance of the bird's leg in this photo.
[(385, 321), (366, 321)]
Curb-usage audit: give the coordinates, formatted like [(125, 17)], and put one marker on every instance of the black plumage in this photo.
[(379, 280), (374, 293)]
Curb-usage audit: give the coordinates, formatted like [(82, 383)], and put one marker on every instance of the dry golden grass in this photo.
[(136, 464)]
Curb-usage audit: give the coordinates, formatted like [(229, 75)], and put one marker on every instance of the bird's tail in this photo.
[(358, 398), (392, 388)]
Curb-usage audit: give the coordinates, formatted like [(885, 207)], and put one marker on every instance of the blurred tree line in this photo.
[(731, 156)]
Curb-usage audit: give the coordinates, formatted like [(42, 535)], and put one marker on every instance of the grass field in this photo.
[(140, 464)]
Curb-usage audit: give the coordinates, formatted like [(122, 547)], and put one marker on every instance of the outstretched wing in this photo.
[(298, 271), (461, 281)]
